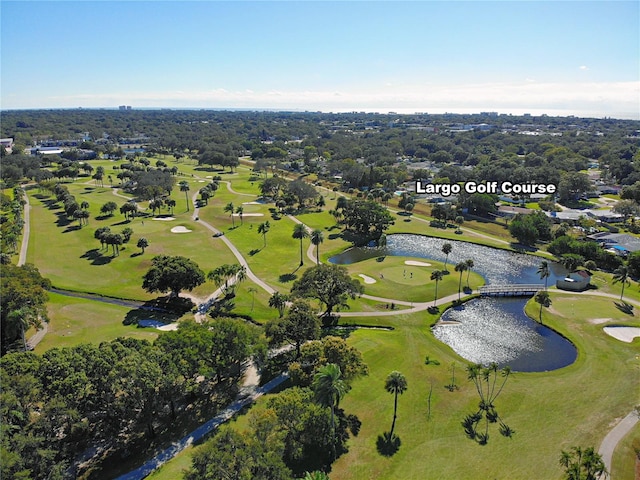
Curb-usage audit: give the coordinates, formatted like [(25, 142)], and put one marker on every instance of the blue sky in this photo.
[(559, 58)]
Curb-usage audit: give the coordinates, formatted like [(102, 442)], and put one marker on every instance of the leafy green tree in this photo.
[(582, 464), (108, 208), (298, 325), (300, 232), (317, 237), (572, 186), (395, 383), (366, 218), (436, 275), (331, 284), (263, 229), (571, 261), (627, 208), (621, 275), (172, 274)]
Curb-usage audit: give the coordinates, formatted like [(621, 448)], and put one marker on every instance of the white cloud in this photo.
[(583, 67)]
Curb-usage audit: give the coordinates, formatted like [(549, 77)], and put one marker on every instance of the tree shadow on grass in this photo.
[(255, 251), (96, 257), (624, 307), (388, 445), (162, 309), (287, 277)]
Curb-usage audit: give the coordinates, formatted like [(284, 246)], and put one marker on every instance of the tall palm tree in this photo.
[(328, 388), (543, 299), (621, 275), (263, 229), (300, 231), (544, 271), (460, 267), (395, 383), (229, 208), (252, 291), (240, 211), (446, 249), (436, 275), (184, 187), (317, 237), (22, 319), (470, 265)]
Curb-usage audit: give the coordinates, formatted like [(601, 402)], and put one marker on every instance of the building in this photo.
[(576, 281), (7, 144), (621, 242)]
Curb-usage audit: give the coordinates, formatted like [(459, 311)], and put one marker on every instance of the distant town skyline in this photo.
[(564, 58)]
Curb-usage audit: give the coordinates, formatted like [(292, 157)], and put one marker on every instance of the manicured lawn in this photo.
[(76, 320), (394, 279), (624, 456)]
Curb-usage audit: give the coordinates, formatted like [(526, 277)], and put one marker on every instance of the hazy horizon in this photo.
[(557, 58)]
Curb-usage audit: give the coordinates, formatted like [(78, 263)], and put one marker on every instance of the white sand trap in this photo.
[(164, 219), (253, 203), (209, 176), (170, 327), (201, 181), (624, 334), (249, 214), (180, 229), (367, 279), (597, 321), (416, 263)]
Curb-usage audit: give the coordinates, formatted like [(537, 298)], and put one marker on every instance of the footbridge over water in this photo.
[(515, 290)]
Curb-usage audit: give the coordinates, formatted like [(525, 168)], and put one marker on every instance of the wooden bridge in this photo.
[(517, 290)]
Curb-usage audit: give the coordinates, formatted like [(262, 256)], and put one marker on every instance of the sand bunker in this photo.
[(624, 334), (417, 264), (164, 219), (168, 328), (249, 214), (367, 279), (596, 321), (180, 229)]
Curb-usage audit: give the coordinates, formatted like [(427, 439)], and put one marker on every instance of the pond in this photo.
[(488, 329), (497, 330), (495, 265)]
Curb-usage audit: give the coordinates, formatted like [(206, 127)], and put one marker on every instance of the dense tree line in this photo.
[(57, 405)]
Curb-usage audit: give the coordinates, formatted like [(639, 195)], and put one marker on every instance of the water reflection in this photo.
[(488, 329), (497, 330), (496, 266)]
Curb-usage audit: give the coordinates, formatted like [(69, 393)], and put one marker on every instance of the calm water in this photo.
[(498, 330), (488, 329)]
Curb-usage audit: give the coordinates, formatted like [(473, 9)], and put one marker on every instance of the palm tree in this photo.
[(142, 243), (278, 301), (328, 388), (543, 299), (446, 249), (263, 229), (582, 464), (229, 208), (460, 267), (544, 271), (252, 291), (184, 187), (317, 237), (436, 275), (300, 231), (240, 211), (621, 274), (470, 265), (171, 203), (395, 383)]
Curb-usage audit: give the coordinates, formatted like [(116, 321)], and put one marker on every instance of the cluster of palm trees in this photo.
[(232, 210), (223, 275), (300, 231), (461, 267)]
